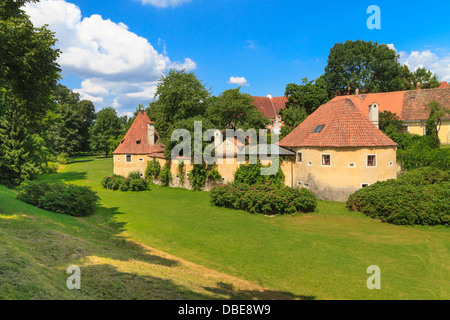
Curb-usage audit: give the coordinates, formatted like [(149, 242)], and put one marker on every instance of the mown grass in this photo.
[(323, 255)]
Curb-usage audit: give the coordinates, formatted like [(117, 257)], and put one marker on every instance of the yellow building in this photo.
[(339, 150)]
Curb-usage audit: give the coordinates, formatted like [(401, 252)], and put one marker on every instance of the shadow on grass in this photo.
[(233, 294), (64, 176)]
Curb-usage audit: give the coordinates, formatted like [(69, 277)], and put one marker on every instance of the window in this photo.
[(299, 157), (141, 160), (326, 160), (363, 185), (299, 183), (352, 165), (310, 163), (405, 129), (128, 158), (371, 160), (318, 128), (118, 158), (391, 163)]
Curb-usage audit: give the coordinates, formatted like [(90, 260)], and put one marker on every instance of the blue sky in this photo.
[(114, 51)]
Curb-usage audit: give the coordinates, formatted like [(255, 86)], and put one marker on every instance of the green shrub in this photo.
[(264, 198), (421, 196), (124, 184), (153, 170), (62, 198), (181, 173), (202, 173), (134, 175), (251, 174), (63, 158), (165, 176)]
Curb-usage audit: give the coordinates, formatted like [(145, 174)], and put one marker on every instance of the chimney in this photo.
[(151, 134), (269, 96), (419, 85), (357, 93), (374, 114)]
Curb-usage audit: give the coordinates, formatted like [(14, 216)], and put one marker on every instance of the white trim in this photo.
[(366, 185), (350, 165), (141, 159), (391, 163), (367, 161), (321, 158), (310, 163)]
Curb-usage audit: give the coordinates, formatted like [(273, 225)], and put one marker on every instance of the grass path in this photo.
[(324, 255)]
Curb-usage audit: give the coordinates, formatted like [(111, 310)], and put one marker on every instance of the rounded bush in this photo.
[(62, 198), (421, 196), (264, 199)]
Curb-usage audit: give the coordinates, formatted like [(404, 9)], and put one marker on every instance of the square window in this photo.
[(299, 157), (326, 160), (371, 160), (128, 158)]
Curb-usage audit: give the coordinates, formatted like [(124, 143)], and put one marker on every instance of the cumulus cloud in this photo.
[(239, 81), (118, 67), (429, 60), (164, 3)]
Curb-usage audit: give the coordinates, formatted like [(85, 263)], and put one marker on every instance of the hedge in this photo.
[(117, 182), (264, 199), (421, 197), (62, 198)]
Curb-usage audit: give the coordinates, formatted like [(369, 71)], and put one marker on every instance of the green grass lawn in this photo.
[(323, 255)]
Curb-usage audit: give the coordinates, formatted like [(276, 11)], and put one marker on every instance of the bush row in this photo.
[(124, 184), (264, 198), (421, 196), (62, 198)]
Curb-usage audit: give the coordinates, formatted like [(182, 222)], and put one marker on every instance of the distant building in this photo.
[(271, 107), (411, 106)]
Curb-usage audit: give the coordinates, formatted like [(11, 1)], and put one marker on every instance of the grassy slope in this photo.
[(324, 255), (37, 246)]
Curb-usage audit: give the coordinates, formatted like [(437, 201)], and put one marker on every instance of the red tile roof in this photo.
[(388, 101), (265, 105), (344, 126), (415, 104), (444, 85), (408, 105), (136, 140)]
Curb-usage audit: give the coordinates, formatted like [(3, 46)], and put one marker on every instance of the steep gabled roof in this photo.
[(265, 105), (337, 124), (444, 85), (136, 140)]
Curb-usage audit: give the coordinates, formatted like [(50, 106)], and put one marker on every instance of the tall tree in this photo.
[(368, 66), (390, 122), (28, 68), (179, 95), (106, 130), (233, 109), (303, 100), (28, 76)]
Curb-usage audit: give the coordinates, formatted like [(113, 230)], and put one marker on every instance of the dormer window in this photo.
[(138, 142), (318, 128)]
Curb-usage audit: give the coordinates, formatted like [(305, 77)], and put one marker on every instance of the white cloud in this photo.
[(164, 3), (114, 63), (429, 60), (239, 81)]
